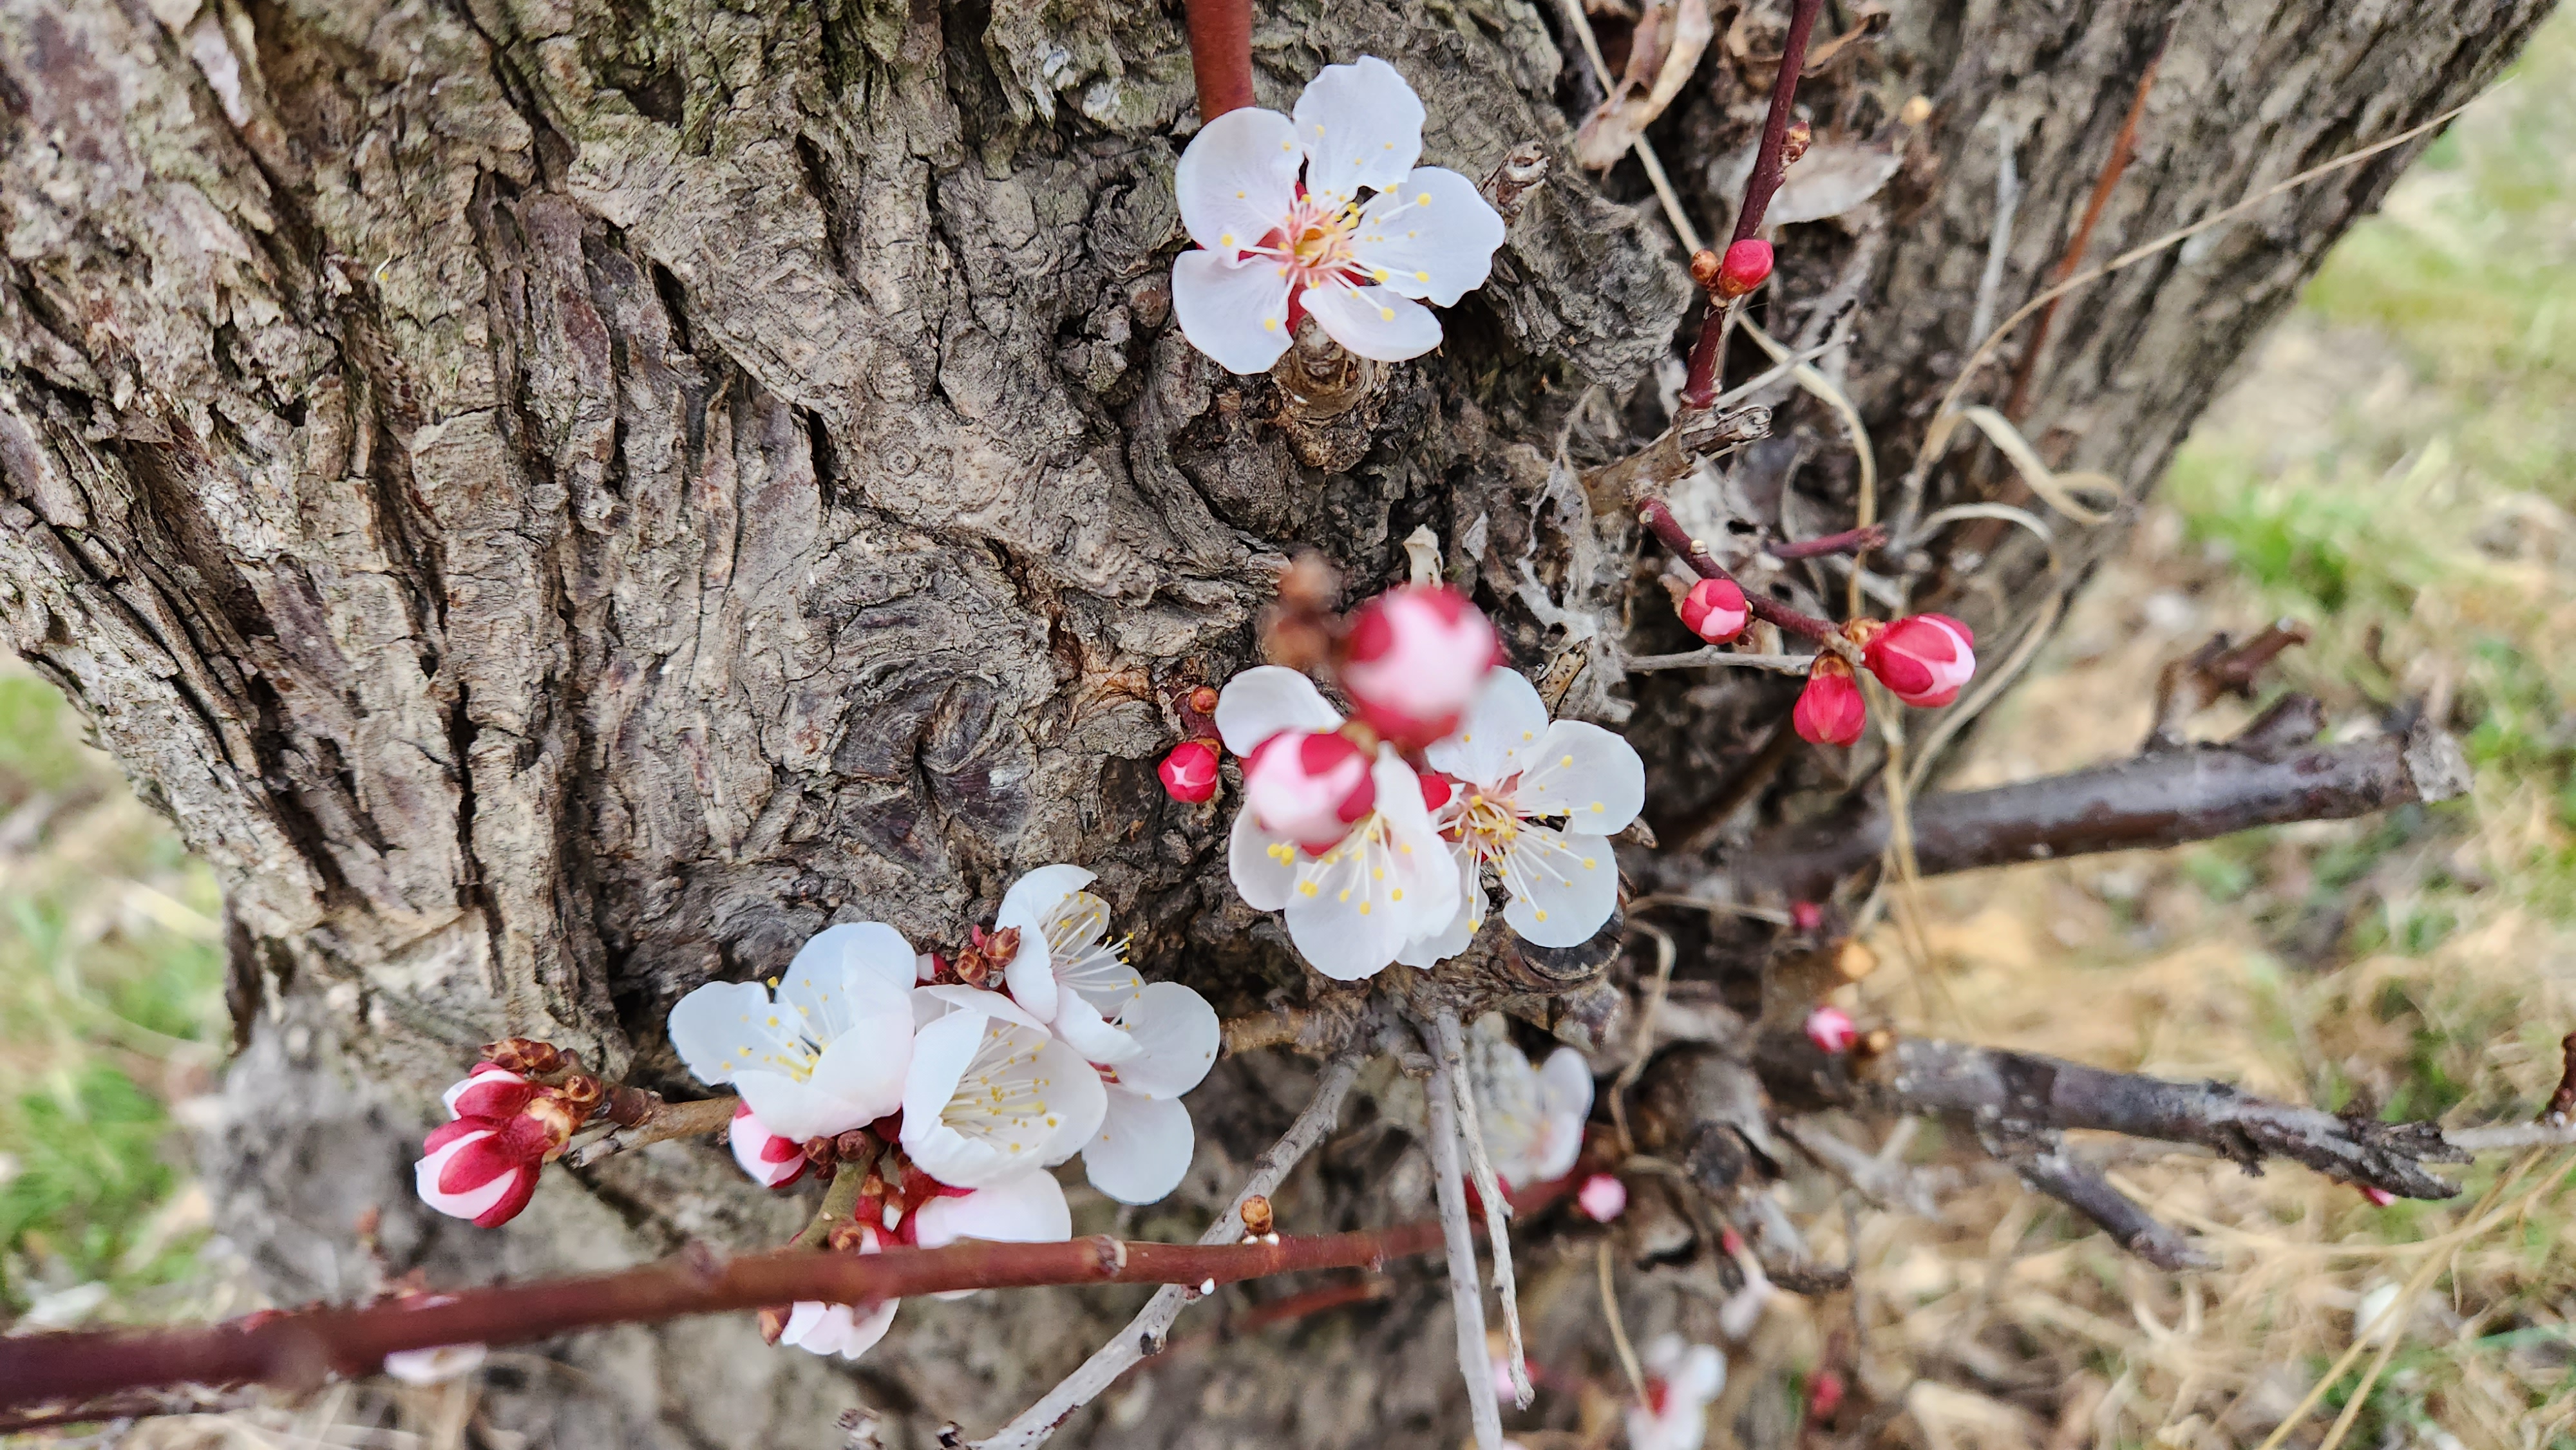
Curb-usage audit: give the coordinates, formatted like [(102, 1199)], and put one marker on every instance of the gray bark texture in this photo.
[(561, 501)]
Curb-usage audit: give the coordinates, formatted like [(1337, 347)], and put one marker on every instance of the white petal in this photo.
[(1262, 863), (1177, 1034), (1494, 742), (723, 1027), (1423, 862), (1439, 946), (837, 1328), (865, 1066), (750, 1138), (800, 1110), (1586, 773), (1374, 322), (982, 1003), (436, 1365), (868, 947), (469, 1204), (1143, 1148), (1074, 1090), (988, 1098), (1565, 1099), (1234, 312), (1085, 962), (1565, 1084), (1030, 973), (1433, 236), (1090, 1034), (1563, 886), (1266, 699), (1360, 126), (1237, 179), (1027, 1208)]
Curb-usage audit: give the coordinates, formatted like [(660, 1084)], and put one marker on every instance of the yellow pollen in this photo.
[(1379, 273), (1596, 808), (1398, 894), (1423, 200), (1270, 324), (1386, 314), (1421, 276), (1307, 887), (1346, 895), (1377, 873), (1363, 906), (1542, 916), (1569, 760), (1589, 863), (1225, 239)]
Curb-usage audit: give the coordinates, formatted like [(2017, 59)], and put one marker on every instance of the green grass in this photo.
[(110, 1015)]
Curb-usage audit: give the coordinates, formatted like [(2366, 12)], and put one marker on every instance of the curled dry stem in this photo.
[(1451, 1044)]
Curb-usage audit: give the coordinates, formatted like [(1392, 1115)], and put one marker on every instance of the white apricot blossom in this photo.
[(1067, 973), (992, 1093), (828, 1052), (1358, 871), (1532, 1115), (1538, 801), (1145, 1141), (1681, 1379), (1325, 213)]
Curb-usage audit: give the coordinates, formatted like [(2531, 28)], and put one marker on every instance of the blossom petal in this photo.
[(1563, 885), (1087, 1032), (1176, 1033), (724, 1027), (1027, 1208), (1237, 179), (1498, 738), (1587, 774), (800, 1110), (981, 1002), (828, 1329), (1374, 322), (1432, 236), (1439, 946), (1143, 1148), (1235, 312), (472, 1203), (987, 1098), (1262, 863), (1358, 905), (1266, 699), (1031, 973), (864, 1066), (1565, 1100), (870, 948), (1360, 126)]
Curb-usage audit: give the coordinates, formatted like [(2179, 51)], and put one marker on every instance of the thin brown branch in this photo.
[(1221, 55), (2124, 149), (1770, 161), (661, 1123), (1849, 541), (2052, 1170), (1144, 1334), (2189, 685), (2154, 800), (2003, 1094), (299, 1348)]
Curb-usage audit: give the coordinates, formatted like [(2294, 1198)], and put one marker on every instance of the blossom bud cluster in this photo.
[(1922, 659)]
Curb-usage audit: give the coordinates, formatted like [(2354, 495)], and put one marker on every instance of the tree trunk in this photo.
[(559, 503)]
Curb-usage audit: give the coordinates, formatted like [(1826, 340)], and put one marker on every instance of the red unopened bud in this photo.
[(1806, 915), (1715, 610), (1747, 266), (1923, 659), (2379, 1197), (1829, 710), (1417, 656), (1310, 787), (1832, 1030), (1189, 772), (1824, 1396)]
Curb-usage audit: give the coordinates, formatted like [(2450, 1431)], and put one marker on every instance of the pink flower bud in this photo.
[(1923, 659), (490, 1091), (1831, 1029), (2379, 1197), (1829, 710), (1747, 266), (484, 1169), (1806, 915), (1189, 772), (1418, 655), (1602, 1197), (772, 1161), (1308, 787), (1824, 1396), (1714, 610)]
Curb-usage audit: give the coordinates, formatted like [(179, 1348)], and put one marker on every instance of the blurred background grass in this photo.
[(2396, 468)]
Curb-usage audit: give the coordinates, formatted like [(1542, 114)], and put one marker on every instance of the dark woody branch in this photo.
[(2014, 1099), (2271, 774)]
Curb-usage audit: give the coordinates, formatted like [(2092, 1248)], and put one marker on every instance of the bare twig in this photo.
[(2049, 1168), (1999, 242), (1466, 1289), (1221, 55), (2189, 685), (1618, 1329), (1659, 521), (662, 1123), (1700, 658), (1145, 1334), (2154, 800), (1451, 1043), (1998, 1092), (1849, 541), (1699, 387)]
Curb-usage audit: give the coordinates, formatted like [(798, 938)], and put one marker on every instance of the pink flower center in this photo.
[(1313, 243)]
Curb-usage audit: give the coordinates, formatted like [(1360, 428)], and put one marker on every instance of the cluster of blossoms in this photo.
[(1324, 214), (1922, 659), (1373, 835), (953, 1086)]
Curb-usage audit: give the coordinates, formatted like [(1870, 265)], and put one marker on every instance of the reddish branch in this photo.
[(1770, 160), (2265, 777), (1221, 55), (2124, 148), (299, 1348), (1849, 541), (1660, 522)]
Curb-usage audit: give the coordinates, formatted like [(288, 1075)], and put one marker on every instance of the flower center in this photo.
[(1489, 824), (1313, 243)]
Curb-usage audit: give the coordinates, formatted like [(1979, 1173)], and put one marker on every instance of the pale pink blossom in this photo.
[(1418, 656), (992, 1093), (1832, 1030), (828, 1052), (1325, 213), (1602, 1197), (1532, 1114), (1923, 659), (772, 1161), (1681, 1379)]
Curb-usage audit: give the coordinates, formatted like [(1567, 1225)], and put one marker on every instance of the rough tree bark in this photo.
[(560, 502)]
